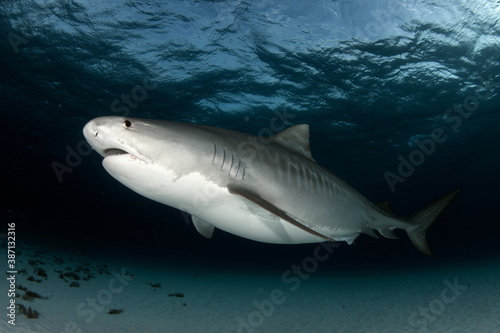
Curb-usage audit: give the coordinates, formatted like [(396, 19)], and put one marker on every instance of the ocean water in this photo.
[(402, 99)]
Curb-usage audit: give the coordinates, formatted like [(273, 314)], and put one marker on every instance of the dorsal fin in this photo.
[(295, 138)]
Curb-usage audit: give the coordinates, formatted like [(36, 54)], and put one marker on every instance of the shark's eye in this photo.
[(127, 123)]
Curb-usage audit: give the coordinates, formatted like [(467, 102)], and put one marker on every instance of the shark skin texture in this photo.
[(265, 189)]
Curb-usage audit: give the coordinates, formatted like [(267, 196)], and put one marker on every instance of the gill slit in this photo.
[(237, 169), (215, 153), (243, 175), (232, 162), (223, 158)]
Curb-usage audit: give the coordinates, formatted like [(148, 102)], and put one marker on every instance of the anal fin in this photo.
[(388, 233)]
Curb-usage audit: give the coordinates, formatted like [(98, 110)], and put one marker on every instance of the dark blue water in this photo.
[(402, 99)]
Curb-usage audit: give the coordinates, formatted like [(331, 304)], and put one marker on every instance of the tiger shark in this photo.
[(265, 189)]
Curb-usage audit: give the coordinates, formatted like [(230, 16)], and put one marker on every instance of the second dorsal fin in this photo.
[(295, 138)]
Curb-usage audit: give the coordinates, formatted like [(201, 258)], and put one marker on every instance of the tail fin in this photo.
[(420, 221)]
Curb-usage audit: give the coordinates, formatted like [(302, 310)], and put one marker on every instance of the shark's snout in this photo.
[(90, 129), (110, 136), (91, 134)]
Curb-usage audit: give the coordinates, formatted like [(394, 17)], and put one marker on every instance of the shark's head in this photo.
[(121, 139), (117, 138), (131, 144), (146, 155)]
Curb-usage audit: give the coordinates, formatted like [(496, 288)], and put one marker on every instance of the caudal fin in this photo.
[(420, 221)]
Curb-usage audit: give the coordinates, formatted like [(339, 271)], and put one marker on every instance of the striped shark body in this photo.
[(269, 190)]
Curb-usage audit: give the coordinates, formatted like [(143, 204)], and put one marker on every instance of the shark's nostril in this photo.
[(95, 136)]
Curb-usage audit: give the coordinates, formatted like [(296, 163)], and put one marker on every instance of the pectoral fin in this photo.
[(257, 199), (203, 227)]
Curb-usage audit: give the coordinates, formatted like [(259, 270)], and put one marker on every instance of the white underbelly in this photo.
[(198, 196), (239, 216), (233, 213)]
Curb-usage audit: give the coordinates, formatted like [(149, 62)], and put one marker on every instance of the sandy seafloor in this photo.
[(437, 296)]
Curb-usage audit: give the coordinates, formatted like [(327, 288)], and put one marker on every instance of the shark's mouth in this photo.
[(115, 151), (111, 152)]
